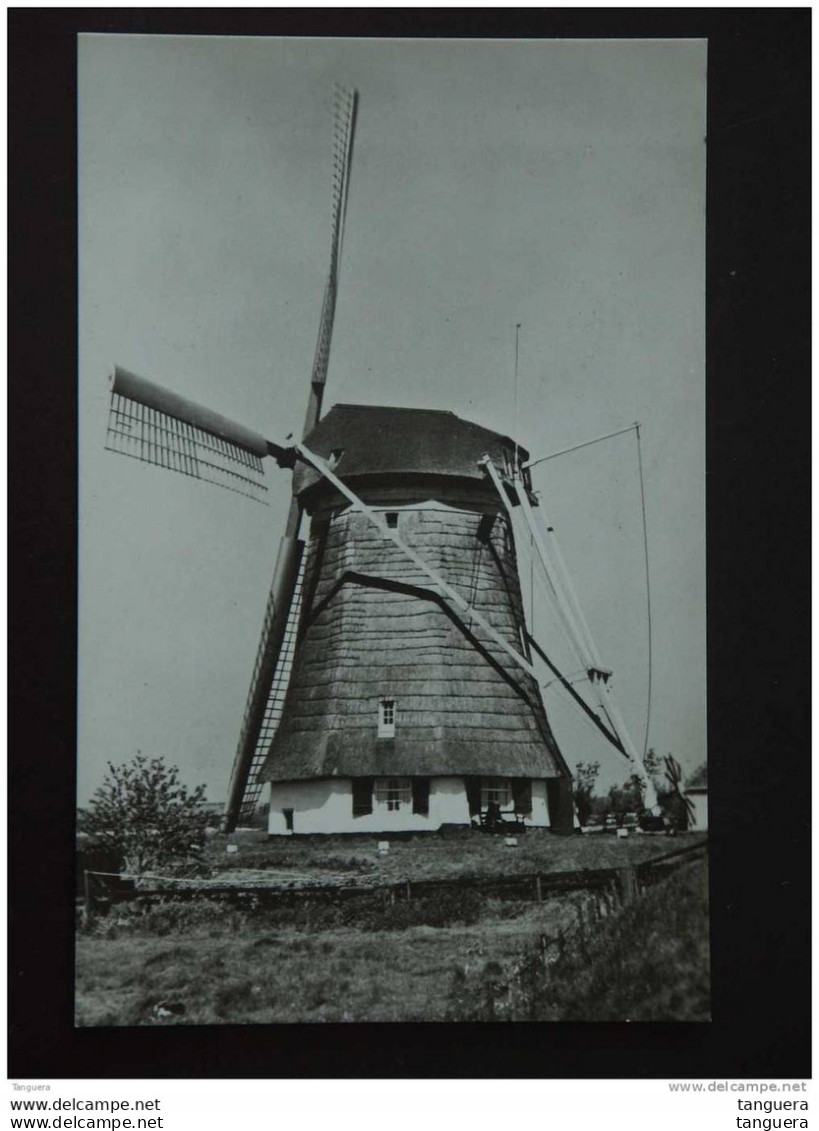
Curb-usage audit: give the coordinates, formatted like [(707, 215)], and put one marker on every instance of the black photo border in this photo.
[(758, 437)]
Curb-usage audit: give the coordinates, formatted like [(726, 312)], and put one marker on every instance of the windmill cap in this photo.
[(378, 440)]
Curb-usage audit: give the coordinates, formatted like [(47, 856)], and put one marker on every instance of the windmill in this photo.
[(396, 685), (673, 775)]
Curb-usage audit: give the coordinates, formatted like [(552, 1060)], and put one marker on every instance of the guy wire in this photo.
[(648, 583), (517, 458)]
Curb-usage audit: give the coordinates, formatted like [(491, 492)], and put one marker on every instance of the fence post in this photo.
[(539, 888), (409, 892), (87, 893), (628, 884)]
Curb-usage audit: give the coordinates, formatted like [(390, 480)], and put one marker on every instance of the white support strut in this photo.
[(558, 579), (586, 651), (566, 579), (561, 604), (602, 691)]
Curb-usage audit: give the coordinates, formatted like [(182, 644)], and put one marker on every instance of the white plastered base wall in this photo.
[(326, 806)]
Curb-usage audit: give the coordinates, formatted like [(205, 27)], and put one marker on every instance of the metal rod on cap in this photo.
[(585, 444)]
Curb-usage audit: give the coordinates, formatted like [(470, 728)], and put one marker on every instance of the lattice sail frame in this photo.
[(279, 681), (345, 109), (673, 773), (140, 426)]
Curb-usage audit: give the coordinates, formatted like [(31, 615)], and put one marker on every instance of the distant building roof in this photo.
[(384, 440), (699, 778)]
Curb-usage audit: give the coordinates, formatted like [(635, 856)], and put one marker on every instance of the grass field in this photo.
[(257, 975), (464, 853), (458, 956)]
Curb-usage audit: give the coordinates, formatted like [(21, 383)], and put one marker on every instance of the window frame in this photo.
[(393, 794), (497, 790), (387, 711)]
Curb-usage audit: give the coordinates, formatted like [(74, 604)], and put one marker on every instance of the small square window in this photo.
[(392, 519), (386, 718)]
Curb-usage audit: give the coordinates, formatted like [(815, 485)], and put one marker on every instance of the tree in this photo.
[(673, 801), (143, 813), (585, 777), (635, 791), (627, 798)]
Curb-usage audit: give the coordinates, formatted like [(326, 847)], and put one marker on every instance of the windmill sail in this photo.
[(265, 700), (153, 425), (346, 109), (274, 655), (673, 774)]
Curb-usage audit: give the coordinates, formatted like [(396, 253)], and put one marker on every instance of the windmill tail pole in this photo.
[(568, 607), (270, 646)]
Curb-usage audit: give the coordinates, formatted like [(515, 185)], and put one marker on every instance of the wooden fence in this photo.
[(611, 885)]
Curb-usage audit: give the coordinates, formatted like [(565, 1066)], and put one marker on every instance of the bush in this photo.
[(143, 815), (650, 962), (167, 917), (443, 910), (371, 912)]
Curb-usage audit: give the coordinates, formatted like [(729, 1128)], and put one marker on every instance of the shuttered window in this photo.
[(420, 796), (393, 793), (473, 795), (495, 790), (522, 795), (362, 796)]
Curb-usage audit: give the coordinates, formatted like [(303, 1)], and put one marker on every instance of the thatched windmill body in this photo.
[(394, 686), (403, 712)]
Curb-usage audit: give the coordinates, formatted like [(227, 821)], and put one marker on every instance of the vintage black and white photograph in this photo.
[(391, 663)]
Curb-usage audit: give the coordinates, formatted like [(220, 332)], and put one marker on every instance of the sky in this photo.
[(556, 184)]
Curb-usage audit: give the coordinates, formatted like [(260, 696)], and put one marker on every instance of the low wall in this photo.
[(326, 806)]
